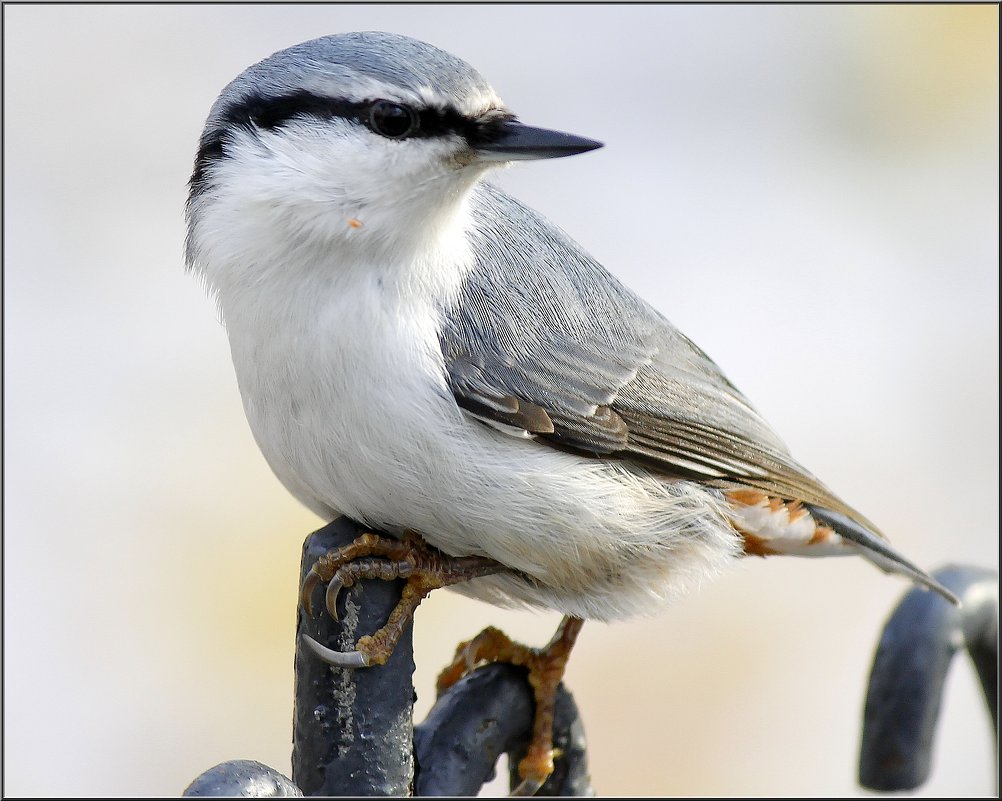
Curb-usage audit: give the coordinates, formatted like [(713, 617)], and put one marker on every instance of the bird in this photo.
[(427, 355)]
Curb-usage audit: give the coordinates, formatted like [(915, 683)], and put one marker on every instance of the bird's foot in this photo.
[(386, 558), (546, 669)]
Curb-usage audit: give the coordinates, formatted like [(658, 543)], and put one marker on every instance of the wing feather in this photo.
[(569, 355)]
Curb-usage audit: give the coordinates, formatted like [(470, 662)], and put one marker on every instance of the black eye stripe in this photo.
[(255, 112), (274, 112)]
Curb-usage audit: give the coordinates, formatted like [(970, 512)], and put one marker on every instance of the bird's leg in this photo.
[(546, 669), (374, 557)]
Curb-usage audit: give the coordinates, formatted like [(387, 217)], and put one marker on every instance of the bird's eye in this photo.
[(392, 120)]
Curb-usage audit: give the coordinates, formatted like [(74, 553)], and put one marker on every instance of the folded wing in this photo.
[(543, 342)]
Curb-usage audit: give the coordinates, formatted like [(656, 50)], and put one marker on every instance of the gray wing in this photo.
[(543, 339)]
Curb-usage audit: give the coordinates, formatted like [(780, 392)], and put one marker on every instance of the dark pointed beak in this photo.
[(513, 141)]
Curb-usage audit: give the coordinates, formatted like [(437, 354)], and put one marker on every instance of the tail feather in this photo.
[(878, 550)]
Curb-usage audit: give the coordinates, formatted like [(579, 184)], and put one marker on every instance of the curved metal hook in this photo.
[(488, 713), (909, 671)]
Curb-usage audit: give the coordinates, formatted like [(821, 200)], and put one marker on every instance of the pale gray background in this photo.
[(809, 192)]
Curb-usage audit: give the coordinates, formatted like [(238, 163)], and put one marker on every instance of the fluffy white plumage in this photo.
[(334, 337), (334, 251)]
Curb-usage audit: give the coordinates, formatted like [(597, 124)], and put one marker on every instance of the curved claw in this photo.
[(527, 787), (351, 659), (306, 591), (333, 589)]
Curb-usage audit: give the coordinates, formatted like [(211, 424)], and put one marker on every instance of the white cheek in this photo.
[(337, 179)]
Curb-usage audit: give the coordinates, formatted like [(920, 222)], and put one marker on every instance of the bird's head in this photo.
[(358, 142)]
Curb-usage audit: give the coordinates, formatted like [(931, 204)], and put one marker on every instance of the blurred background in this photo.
[(809, 192)]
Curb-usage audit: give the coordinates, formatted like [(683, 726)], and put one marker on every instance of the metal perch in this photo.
[(909, 671), (353, 731)]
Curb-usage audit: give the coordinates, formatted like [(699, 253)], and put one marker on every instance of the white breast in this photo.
[(344, 385)]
